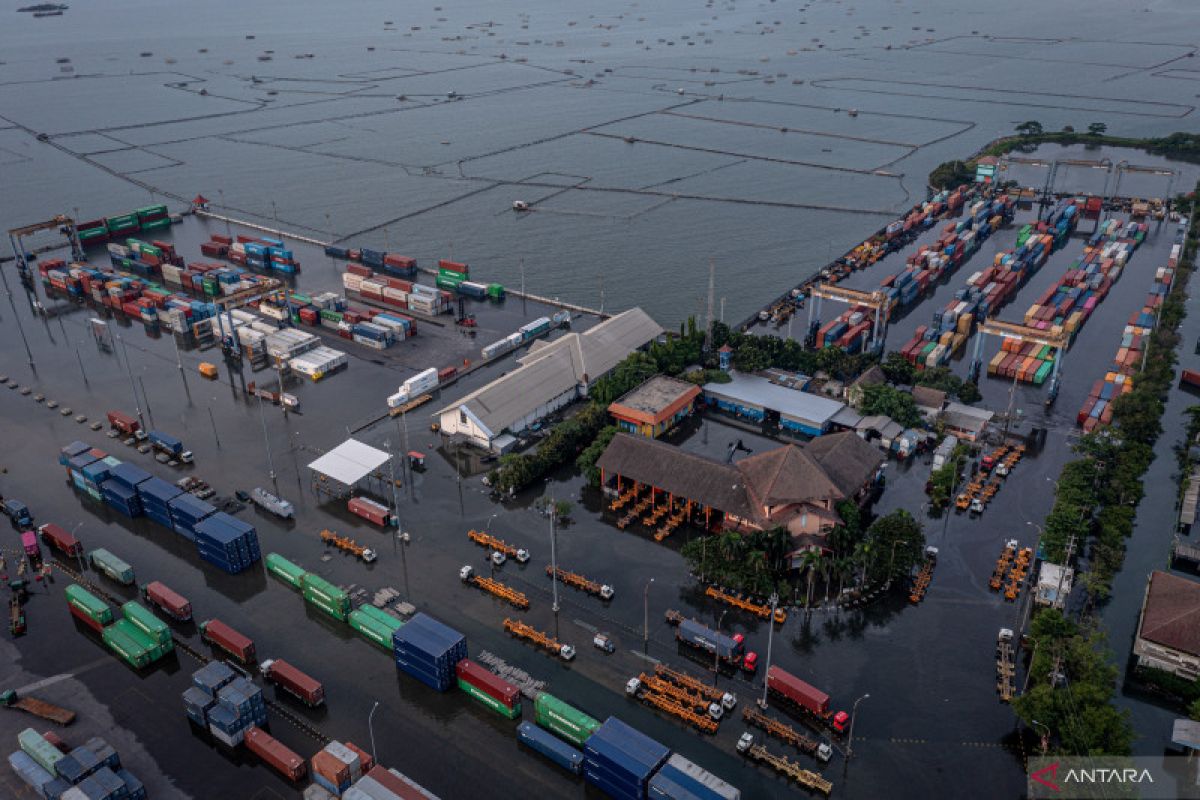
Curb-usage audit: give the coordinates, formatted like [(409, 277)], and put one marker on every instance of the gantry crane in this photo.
[(1021, 333), (877, 301)]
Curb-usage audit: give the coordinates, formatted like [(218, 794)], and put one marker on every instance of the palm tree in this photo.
[(864, 553), (809, 561), (844, 567)]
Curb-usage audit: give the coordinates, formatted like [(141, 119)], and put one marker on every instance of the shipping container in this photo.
[(562, 719), (110, 565), (621, 758), (229, 640), (286, 571), (551, 747), (293, 681), (169, 602), (370, 510), (147, 623), (680, 779), (277, 755), (500, 690), (428, 650)]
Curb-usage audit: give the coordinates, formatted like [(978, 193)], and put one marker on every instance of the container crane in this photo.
[(877, 301)]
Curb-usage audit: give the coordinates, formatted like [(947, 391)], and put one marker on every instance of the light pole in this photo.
[(371, 728), (646, 616), (553, 560), (717, 649), (488, 527), (1045, 737), (770, 634), (853, 718)]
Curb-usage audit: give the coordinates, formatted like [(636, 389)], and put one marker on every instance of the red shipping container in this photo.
[(446, 373), (85, 619), (363, 756), (214, 249), (244, 239), (174, 604), (237, 258), (397, 283), (273, 752), (403, 262), (221, 238), (309, 316), (369, 510), (454, 266), (229, 640), (331, 768), (359, 269), (487, 682), (403, 787)]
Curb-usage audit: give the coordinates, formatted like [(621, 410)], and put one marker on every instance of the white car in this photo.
[(522, 556), (498, 558), (567, 652)]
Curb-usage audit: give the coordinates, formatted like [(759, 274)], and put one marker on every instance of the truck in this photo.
[(174, 605), (105, 562), (371, 511), (729, 650), (418, 384), (275, 753), (269, 502), (1190, 377), (240, 647), (60, 540), (166, 443), (39, 708), (802, 698), (308, 690), (18, 513), (29, 543), (125, 425)]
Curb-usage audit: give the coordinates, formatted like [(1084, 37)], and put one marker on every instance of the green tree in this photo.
[(591, 454), (951, 175), (898, 541), (897, 369), (1030, 128), (969, 392), (884, 399), (1097, 129)]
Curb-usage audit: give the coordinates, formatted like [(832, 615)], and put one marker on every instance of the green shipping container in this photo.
[(286, 571), (89, 604), (111, 566), (332, 316), (384, 618), (1043, 372), (495, 291), (371, 629), (446, 283), (41, 751), (156, 224), (332, 611), (325, 591), (490, 702), (151, 211), (147, 623), (563, 720), (92, 233), (120, 638), (301, 300)]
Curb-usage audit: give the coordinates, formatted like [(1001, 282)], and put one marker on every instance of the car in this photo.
[(498, 558), (750, 662), (601, 641), (242, 496), (145, 448), (522, 556), (567, 652), (715, 711)]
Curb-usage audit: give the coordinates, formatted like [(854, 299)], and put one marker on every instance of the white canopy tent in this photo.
[(348, 463)]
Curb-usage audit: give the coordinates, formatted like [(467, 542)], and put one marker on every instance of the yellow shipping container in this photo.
[(965, 322), (946, 337), (956, 344)]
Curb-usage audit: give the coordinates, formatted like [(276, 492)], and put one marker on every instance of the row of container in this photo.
[(400, 266), (527, 333), (138, 637), (222, 540), (255, 252), (1097, 408), (91, 771), (99, 231), (393, 292)]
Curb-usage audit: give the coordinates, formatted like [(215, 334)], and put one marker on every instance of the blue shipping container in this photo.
[(551, 747)]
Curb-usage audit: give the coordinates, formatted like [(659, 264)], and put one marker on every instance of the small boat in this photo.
[(520, 205)]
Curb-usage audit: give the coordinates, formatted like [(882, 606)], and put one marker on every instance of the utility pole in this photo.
[(646, 616), (717, 649), (146, 397), (267, 443), (392, 468), (179, 363), (129, 370), (770, 634), (214, 427), (553, 559), (1062, 574), (17, 316), (79, 358)]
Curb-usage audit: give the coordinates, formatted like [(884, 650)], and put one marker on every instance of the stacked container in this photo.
[(429, 651), (133, 645), (324, 595), (120, 496), (145, 621), (187, 511), (680, 779), (227, 543), (562, 719), (87, 608), (488, 689), (374, 625), (619, 760)]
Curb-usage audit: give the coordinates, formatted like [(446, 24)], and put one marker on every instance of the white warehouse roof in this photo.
[(350, 462), (755, 392)]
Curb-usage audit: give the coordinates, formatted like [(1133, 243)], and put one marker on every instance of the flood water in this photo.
[(635, 186)]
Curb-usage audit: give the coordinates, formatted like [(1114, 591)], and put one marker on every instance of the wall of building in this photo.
[(1155, 655)]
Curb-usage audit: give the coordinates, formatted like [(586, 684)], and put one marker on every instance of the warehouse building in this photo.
[(759, 400), (795, 487), (655, 407), (552, 375), (1168, 634)]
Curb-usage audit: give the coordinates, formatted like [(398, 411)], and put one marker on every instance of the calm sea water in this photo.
[(650, 138)]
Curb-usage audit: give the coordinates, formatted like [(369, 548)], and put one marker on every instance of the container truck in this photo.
[(240, 647), (29, 543), (18, 513), (370, 511), (58, 539), (174, 605), (415, 386), (274, 753), (308, 690), (562, 719), (729, 650), (277, 506), (165, 443), (110, 565), (125, 424), (804, 699)]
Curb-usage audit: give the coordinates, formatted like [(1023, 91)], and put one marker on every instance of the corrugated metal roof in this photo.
[(751, 390), (551, 368), (350, 462)]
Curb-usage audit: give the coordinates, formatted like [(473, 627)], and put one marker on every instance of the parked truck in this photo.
[(728, 650), (273, 752), (105, 562), (60, 540), (174, 605), (18, 513), (306, 689), (125, 425), (240, 647), (804, 699), (166, 443)]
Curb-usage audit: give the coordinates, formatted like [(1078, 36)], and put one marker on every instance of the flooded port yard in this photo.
[(598, 159)]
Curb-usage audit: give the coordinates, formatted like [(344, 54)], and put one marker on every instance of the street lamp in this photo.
[(853, 719), (770, 634), (717, 649), (371, 728), (1045, 737), (646, 615), (78, 550), (488, 527)]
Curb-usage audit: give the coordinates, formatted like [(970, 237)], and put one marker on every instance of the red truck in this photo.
[(369, 510), (273, 752), (60, 540), (1190, 377), (229, 640), (123, 422), (293, 681), (174, 605), (804, 698)]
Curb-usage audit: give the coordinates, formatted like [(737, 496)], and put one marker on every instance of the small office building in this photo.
[(655, 407), (759, 400)]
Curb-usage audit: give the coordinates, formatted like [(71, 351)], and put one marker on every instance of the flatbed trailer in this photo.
[(709, 692), (789, 769), (38, 708), (495, 588), (757, 609), (786, 733), (484, 539), (530, 634), (648, 693), (577, 581)]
